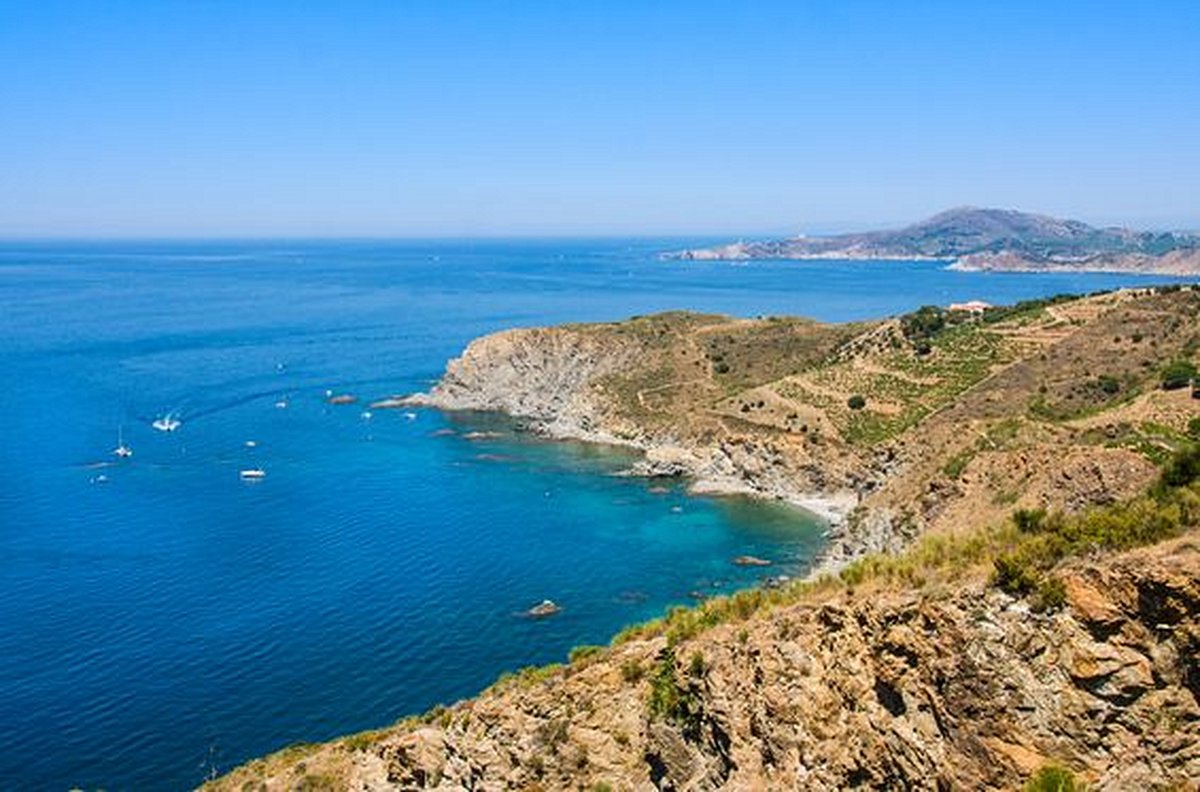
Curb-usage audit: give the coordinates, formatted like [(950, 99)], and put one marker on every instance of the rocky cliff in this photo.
[(953, 686), (548, 375)]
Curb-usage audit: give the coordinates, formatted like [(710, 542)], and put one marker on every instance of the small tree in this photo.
[(1178, 374), (856, 402)]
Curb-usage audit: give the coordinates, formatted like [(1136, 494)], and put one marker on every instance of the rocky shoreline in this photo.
[(965, 428), (664, 460), (1174, 264), (958, 686), (543, 376)]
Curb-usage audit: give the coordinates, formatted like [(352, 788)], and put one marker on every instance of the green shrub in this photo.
[(582, 653), (1051, 595), (1183, 467), (1014, 575), (632, 671), (957, 464), (1052, 778), (1193, 429), (1029, 520), (1178, 374), (668, 699), (1109, 384), (926, 321), (856, 402)]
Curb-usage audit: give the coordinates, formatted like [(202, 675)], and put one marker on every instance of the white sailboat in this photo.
[(123, 451)]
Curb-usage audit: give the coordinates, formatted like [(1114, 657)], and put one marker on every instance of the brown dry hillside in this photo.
[(916, 422)]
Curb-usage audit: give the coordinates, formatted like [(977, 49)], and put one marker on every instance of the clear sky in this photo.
[(450, 117)]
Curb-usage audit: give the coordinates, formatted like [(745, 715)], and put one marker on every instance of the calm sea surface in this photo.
[(159, 617)]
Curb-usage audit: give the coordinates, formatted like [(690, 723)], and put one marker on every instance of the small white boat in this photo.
[(253, 474), (123, 451), (281, 404), (366, 415), (167, 423), (251, 444)]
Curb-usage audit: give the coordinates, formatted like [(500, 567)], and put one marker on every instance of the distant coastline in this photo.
[(986, 240)]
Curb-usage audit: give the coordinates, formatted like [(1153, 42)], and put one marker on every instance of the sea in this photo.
[(162, 619)]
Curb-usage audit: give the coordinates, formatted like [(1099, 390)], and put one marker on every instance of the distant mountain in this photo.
[(988, 239)]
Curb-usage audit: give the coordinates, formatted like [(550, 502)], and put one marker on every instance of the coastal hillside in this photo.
[(989, 239), (890, 429), (1011, 590)]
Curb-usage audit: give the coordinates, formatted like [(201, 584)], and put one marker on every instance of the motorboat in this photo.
[(253, 474), (167, 423)]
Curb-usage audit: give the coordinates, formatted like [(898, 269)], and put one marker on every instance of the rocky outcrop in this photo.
[(544, 374), (955, 687), (1176, 262), (556, 378)]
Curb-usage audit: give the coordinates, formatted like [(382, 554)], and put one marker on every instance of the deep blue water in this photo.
[(175, 618)]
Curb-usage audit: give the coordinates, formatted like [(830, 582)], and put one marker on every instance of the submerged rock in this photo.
[(543, 609), (749, 560)]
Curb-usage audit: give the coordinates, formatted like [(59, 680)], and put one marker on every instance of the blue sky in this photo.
[(448, 117)]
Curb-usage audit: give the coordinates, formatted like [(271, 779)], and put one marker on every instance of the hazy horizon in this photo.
[(465, 120)]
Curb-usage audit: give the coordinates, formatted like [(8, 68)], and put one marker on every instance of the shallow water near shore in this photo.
[(161, 617)]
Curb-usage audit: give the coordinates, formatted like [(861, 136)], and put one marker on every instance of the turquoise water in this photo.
[(174, 618)]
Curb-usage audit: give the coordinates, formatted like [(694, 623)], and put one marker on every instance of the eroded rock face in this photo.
[(958, 688), (544, 374)]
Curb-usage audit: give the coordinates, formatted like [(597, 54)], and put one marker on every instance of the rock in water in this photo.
[(543, 609)]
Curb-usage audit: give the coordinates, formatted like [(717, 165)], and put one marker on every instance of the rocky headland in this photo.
[(1012, 585), (1000, 240), (1050, 404)]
